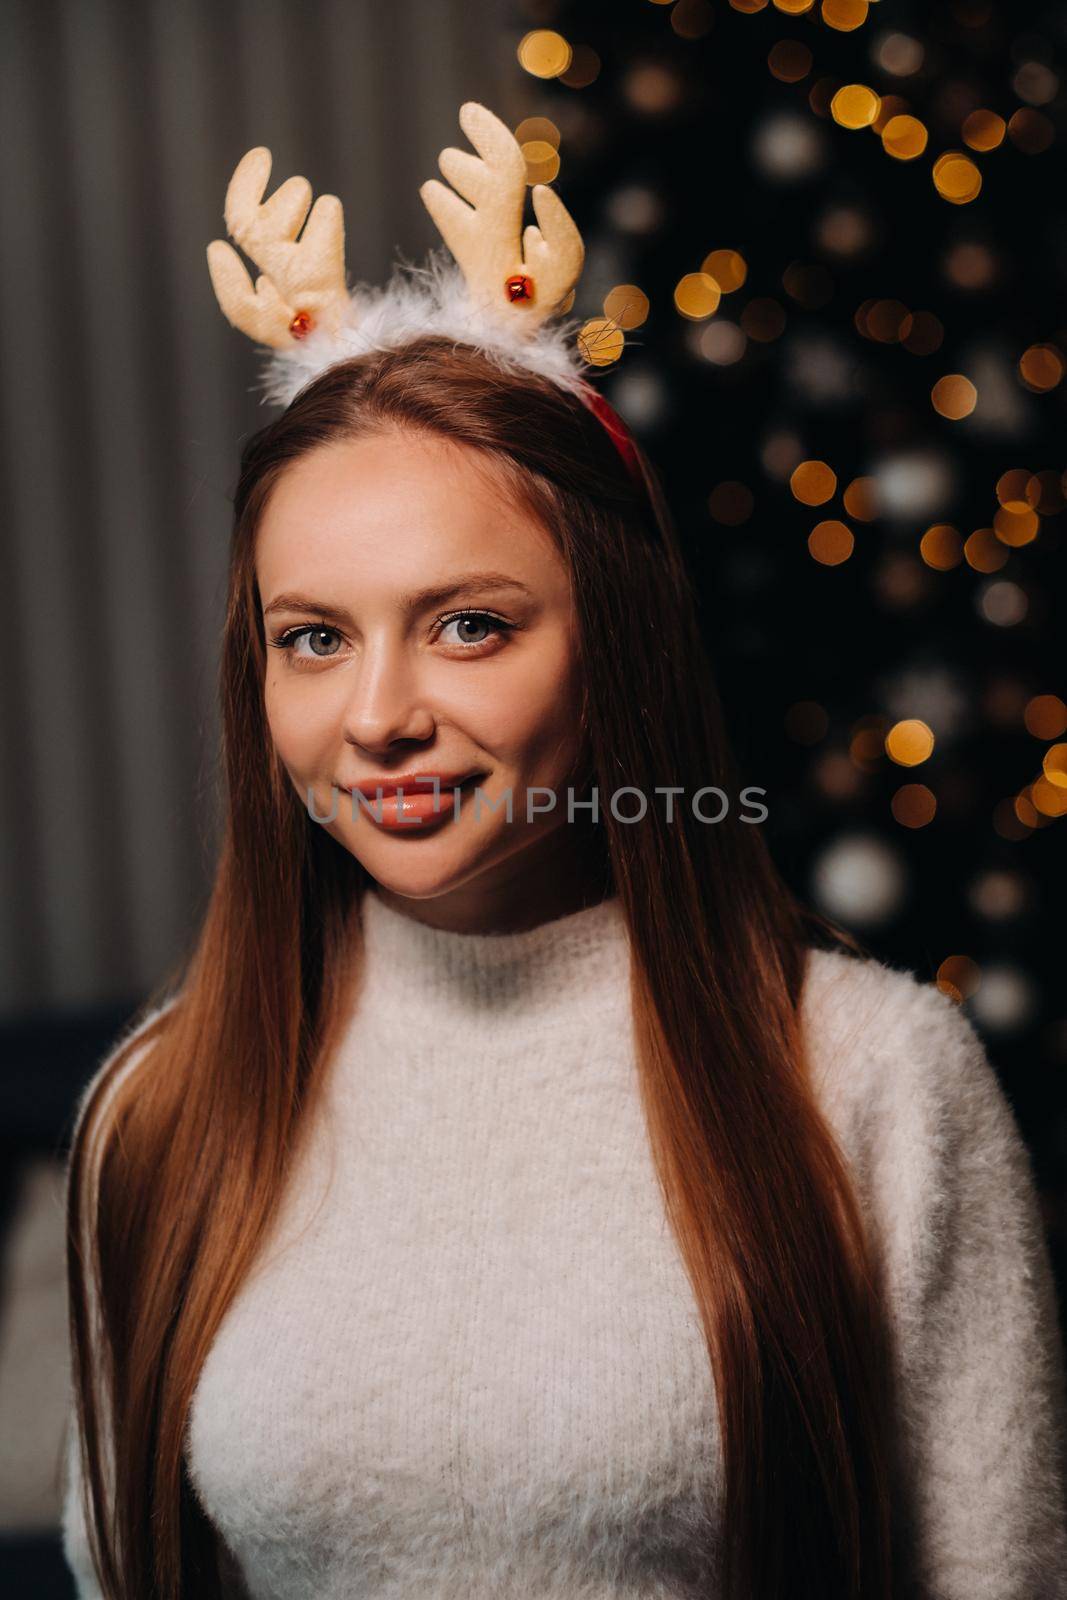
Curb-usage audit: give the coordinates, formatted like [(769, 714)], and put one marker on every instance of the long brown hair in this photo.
[(199, 1139)]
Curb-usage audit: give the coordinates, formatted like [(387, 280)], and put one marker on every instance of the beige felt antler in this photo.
[(302, 284), (534, 269)]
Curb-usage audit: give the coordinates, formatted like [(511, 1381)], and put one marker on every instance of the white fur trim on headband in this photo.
[(422, 300)]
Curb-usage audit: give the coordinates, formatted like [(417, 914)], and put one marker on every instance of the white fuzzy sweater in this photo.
[(469, 1365)]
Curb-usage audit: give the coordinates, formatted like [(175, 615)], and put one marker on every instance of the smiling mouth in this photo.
[(415, 811)]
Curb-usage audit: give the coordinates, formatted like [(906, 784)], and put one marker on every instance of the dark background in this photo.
[(125, 398)]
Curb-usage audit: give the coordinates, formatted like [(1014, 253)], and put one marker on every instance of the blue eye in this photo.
[(473, 627), (314, 635)]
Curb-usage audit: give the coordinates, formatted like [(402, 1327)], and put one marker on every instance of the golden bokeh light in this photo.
[(728, 267), (584, 68), (1016, 528), (1024, 809), (941, 547), (958, 977), (542, 161), (1030, 131), (1045, 716), (844, 15), (692, 19), (1041, 368), (954, 396), (627, 305), (538, 128), (789, 60), (821, 93), (697, 295), (749, 6), (921, 333), (1017, 489), (984, 552), (1054, 765), (544, 53), (909, 742), (892, 105), (885, 319), (984, 130), (813, 483), (601, 341), (854, 106), (866, 746), (1048, 799), (831, 542), (794, 8), (956, 177), (913, 805), (731, 503), (861, 499), (904, 138)]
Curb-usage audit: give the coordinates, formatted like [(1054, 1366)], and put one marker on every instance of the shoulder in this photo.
[(884, 1042), (905, 1081)]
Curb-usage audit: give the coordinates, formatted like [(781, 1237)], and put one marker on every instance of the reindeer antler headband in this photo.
[(504, 292)]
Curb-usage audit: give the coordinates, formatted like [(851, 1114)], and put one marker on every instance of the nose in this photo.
[(386, 703)]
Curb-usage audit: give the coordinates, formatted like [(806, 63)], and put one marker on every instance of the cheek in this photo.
[(529, 713), (298, 721)]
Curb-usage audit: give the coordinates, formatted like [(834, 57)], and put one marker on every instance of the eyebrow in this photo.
[(467, 583)]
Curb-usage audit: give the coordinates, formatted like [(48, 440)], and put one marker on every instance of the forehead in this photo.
[(397, 508)]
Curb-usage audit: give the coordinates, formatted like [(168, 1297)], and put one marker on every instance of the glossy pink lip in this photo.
[(412, 783)]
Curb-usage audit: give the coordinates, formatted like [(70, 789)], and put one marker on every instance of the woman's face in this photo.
[(420, 621)]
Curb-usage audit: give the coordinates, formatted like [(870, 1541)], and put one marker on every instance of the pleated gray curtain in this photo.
[(124, 396)]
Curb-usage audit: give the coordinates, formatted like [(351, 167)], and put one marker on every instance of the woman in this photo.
[(531, 1199)]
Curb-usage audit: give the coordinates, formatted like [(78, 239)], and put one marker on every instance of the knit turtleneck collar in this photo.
[(578, 960)]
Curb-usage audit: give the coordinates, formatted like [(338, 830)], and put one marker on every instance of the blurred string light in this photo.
[(1005, 1000), (789, 60), (1045, 716), (692, 19), (909, 742), (904, 137), (957, 178), (941, 547), (998, 894), (603, 339), (544, 53), (1041, 368), (855, 106), (860, 879), (954, 396), (786, 147), (914, 487), (813, 483), (898, 54), (1002, 603), (983, 130), (831, 542), (913, 805), (723, 342), (958, 977), (984, 552)]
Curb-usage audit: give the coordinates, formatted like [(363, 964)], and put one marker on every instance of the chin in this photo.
[(418, 869)]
